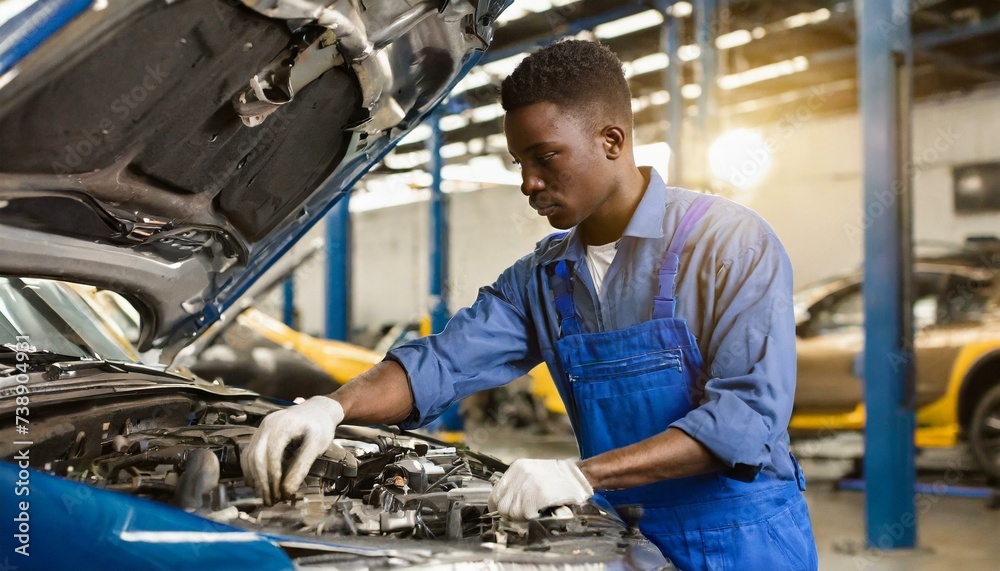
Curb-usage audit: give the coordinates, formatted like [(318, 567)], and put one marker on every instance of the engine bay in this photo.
[(374, 486)]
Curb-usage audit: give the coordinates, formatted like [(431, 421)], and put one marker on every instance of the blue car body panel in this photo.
[(72, 525)]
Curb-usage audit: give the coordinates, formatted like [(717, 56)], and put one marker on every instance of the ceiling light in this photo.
[(629, 24), (407, 161), (453, 150), (688, 53), (764, 73), (503, 67), (646, 64), (477, 146), (733, 39), (487, 113), (497, 142), (512, 13), (691, 91), (475, 78), (486, 170), (659, 97), (681, 9), (419, 133), (452, 122), (805, 19)]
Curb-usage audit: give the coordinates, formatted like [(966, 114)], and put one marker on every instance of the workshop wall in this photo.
[(812, 198), (813, 195), (490, 229)]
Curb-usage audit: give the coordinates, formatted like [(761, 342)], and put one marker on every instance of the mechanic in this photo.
[(664, 315)]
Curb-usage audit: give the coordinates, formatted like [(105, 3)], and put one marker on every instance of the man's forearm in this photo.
[(379, 396), (670, 454)]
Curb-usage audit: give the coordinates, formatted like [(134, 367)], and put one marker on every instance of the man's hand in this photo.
[(312, 424), (529, 486)]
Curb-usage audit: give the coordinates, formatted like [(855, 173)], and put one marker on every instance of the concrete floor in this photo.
[(954, 533)]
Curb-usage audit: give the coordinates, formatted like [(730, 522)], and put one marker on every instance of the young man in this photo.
[(664, 315)]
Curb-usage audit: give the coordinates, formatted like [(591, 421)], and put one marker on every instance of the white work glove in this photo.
[(530, 486), (312, 423)]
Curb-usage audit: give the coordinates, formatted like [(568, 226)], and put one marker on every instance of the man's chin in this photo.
[(560, 222)]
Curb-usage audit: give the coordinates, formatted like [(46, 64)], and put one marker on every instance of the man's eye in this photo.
[(546, 157)]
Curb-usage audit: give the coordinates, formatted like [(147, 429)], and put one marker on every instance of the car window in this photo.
[(25, 315), (965, 299), (56, 319), (938, 298), (839, 311)]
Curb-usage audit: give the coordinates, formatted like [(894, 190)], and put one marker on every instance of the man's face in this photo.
[(565, 172)]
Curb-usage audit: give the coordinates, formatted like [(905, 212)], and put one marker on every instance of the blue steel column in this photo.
[(884, 62), (338, 270), (673, 77), (288, 306), (439, 230), (706, 12), (450, 419)]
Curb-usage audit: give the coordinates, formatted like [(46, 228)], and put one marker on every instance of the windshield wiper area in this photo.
[(38, 359), (59, 365)]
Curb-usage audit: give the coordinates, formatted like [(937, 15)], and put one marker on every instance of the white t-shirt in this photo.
[(599, 259)]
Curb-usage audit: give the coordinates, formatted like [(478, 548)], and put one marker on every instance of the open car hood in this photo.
[(172, 151)]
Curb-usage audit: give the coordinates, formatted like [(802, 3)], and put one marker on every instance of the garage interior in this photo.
[(862, 131), (785, 129)]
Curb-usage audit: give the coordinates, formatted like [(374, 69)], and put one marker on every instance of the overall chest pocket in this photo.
[(623, 401)]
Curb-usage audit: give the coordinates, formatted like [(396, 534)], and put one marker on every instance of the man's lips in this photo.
[(543, 208)]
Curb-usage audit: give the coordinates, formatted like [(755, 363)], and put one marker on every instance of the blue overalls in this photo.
[(631, 384)]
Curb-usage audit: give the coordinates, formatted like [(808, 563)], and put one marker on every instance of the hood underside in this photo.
[(171, 151)]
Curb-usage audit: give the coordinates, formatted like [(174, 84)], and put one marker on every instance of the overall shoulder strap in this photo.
[(663, 302), (562, 289)]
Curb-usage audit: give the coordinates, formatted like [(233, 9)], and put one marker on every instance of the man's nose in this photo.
[(530, 183)]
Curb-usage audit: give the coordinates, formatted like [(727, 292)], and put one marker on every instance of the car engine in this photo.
[(374, 487)]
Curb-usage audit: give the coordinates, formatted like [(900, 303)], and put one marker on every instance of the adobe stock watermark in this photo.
[(886, 198), (22, 486), (121, 108)]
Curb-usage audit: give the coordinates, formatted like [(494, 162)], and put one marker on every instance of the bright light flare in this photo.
[(740, 157)]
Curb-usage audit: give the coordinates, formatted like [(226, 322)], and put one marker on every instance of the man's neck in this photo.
[(610, 221)]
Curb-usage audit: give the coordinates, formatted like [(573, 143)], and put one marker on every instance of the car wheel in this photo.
[(984, 432)]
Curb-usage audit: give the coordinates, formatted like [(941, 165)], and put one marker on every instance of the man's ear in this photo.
[(614, 141)]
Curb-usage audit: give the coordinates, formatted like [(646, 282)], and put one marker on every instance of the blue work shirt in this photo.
[(734, 289)]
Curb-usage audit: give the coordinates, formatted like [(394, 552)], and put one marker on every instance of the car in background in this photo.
[(171, 152), (956, 316)]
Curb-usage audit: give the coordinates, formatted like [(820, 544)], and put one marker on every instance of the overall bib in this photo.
[(628, 385)]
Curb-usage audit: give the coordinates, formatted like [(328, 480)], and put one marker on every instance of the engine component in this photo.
[(200, 478)]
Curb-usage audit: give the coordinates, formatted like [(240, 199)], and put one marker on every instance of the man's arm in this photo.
[(485, 345), (380, 395), (670, 454)]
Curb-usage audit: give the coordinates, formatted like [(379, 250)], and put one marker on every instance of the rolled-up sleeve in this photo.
[(483, 346), (748, 397)]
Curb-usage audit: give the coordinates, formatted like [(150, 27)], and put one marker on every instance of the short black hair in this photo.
[(571, 74)]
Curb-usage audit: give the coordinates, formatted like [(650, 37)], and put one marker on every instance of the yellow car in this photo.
[(957, 357)]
